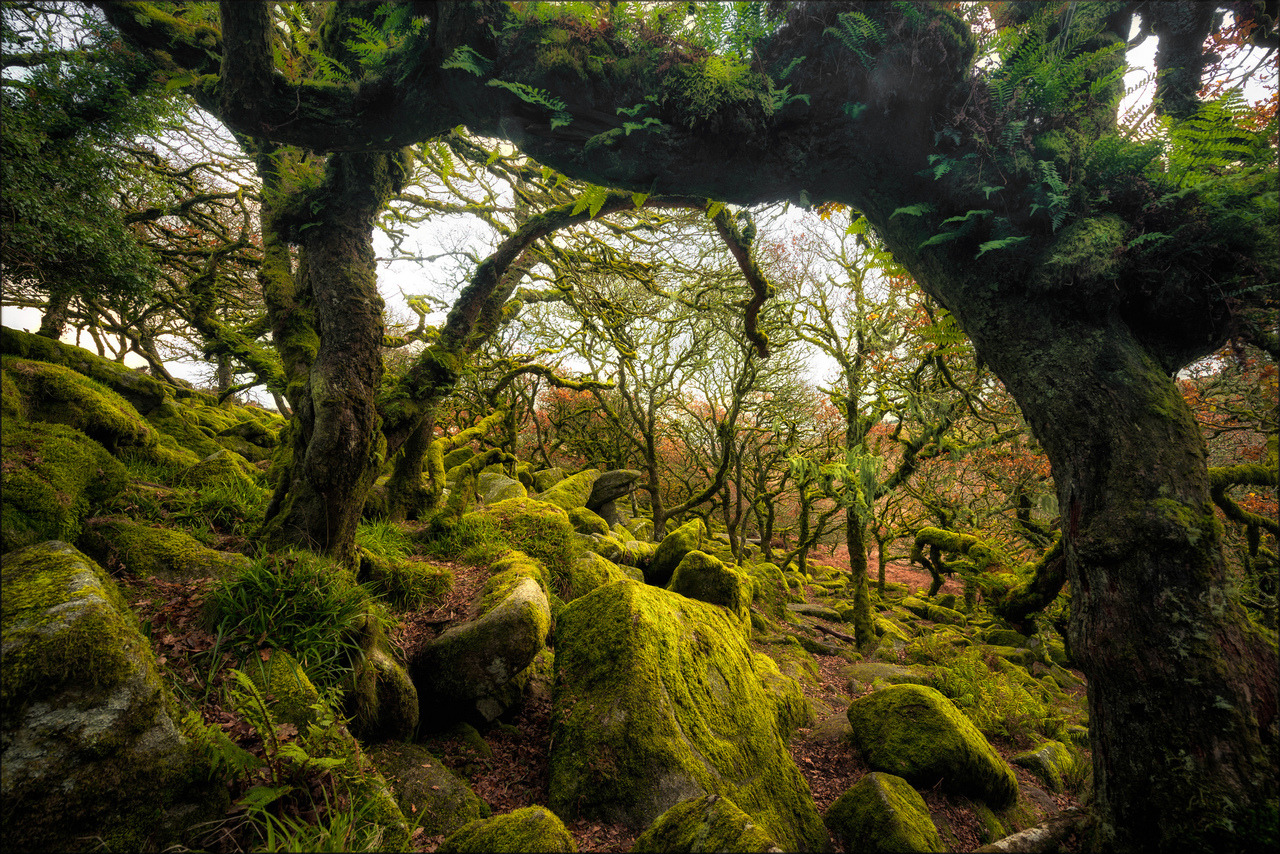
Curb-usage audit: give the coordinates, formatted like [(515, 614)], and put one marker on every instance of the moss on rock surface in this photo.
[(148, 551), (917, 733), (1051, 762), (705, 578), (281, 679), (427, 790), (571, 492), (51, 478), (658, 699), (527, 829), (91, 749), (708, 823), (586, 522), (674, 546), (589, 572), (144, 392), (883, 813)]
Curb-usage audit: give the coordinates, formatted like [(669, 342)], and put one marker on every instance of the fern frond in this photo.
[(465, 58)]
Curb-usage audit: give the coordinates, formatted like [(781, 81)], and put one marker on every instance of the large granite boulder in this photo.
[(571, 492), (883, 813), (659, 700), (606, 491), (674, 546), (148, 551), (705, 824), (470, 670), (493, 487), (591, 571), (91, 745), (915, 732), (527, 829)]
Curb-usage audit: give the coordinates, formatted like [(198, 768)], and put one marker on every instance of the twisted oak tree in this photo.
[(1085, 270)]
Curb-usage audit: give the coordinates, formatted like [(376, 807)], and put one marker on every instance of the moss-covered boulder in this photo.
[(148, 551), (708, 579), (427, 790), (637, 553), (291, 696), (586, 522), (51, 477), (544, 479), (1052, 761), (385, 704), (222, 466), (61, 396), (528, 829), (589, 572), (657, 700), (91, 748), (709, 823), (571, 492), (934, 612), (674, 546), (915, 732), (142, 391), (492, 487), (466, 672), (792, 708), (883, 813), (861, 675), (606, 491)]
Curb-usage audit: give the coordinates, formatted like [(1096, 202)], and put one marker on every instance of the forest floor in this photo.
[(511, 770)]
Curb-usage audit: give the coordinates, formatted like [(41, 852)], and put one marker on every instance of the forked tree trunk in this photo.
[(1182, 686)]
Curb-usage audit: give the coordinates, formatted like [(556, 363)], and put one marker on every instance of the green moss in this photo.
[(508, 571), (527, 829), (572, 492), (658, 699), (917, 733), (1053, 762), (540, 530), (674, 546), (883, 808), (62, 396), (51, 478), (424, 788), (708, 823), (703, 577), (1086, 252), (289, 690), (587, 573), (142, 391), (148, 551), (10, 398), (586, 522)]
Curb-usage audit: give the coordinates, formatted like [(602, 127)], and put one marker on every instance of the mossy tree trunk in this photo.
[(337, 445)]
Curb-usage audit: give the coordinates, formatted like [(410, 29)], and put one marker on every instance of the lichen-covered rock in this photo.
[(705, 824), (385, 703), (642, 528), (703, 577), (91, 750), (527, 829), (544, 479), (221, 466), (606, 491), (492, 487), (51, 478), (674, 546), (571, 492), (658, 699), (883, 813), (915, 732), (1051, 762), (60, 395), (148, 551), (586, 522), (466, 671), (793, 709), (637, 553), (427, 790), (589, 572), (605, 546)]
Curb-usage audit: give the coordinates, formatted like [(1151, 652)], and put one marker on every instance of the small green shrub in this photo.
[(228, 505), (300, 602), (474, 539)]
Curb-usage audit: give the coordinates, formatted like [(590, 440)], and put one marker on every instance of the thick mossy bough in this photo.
[(915, 732), (92, 752), (658, 698), (527, 829), (147, 551), (51, 478), (883, 813), (426, 789), (705, 824), (674, 546)]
